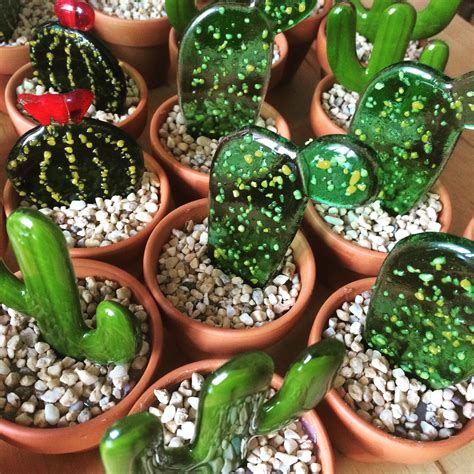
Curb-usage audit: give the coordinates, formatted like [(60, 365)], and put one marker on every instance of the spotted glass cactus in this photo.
[(421, 315), (48, 293), (259, 187), (68, 158), (394, 29), (232, 410), (412, 116), (9, 16)]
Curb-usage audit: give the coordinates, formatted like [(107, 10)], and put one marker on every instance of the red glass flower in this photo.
[(74, 14)]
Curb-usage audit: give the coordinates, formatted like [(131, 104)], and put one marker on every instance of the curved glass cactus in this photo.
[(180, 13), (259, 187), (48, 293), (412, 116), (9, 16), (394, 28), (421, 315), (231, 412)]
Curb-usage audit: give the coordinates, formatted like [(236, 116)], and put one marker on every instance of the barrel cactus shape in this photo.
[(421, 315), (232, 410), (9, 16)]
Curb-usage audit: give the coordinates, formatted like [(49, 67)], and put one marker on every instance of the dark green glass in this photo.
[(9, 16)]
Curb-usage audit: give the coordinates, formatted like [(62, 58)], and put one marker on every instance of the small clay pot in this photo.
[(198, 340), (132, 125), (300, 38), (83, 437), (190, 183), (12, 58), (127, 253), (352, 260), (355, 437), (3, 233), (321, 50), (311, 422), (469, 230), (277, 68), (141, 43)]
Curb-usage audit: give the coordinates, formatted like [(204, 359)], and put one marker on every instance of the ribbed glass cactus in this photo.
[(421, 315), (48, 293), (9, 15), (231, 412)]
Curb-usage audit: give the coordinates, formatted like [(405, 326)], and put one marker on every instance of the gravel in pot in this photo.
[(131, 9)]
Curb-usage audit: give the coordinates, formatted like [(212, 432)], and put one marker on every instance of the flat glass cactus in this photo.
[(421, 315), (68, 158), (48, 293), (9, 16), (231, 412), (259, 187), (67, 58), (412, 116)]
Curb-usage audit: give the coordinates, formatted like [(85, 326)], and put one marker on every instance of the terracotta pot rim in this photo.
[(129, 21), (86, 267), (149, 272), (101, 252), (15, 48), (333, 398), (281, 41), (322, 15)]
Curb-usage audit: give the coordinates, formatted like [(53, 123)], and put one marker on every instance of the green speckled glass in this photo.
[(231, 412), (421, 315), (259, 187), (412, 116)]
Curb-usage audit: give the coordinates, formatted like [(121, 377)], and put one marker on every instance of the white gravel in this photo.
[(131, 9), (40, 388), (34, 13), (383, 395), (276, 53), (107, 221), (290, 450), (373, 228), (319, 7), (196, 153), (33, 86), (205, 293)]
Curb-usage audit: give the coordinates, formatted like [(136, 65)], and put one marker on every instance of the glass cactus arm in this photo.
[(435, 54), (306, 383), (434, 18), (285, 14), (12, 292), (180, 13), (463, 91)]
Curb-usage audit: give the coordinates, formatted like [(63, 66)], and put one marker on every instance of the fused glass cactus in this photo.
[(180, 13), (259, 187), (421, 315), (394, 29), (68, 159), (231, 412), (9, 15), (66, 58), (48, 293), (412, 116)]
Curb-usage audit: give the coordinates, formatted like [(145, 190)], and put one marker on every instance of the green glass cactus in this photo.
[(231, 412), (421, 315), (48, 293), (180, 13), (9, 16), (259, 187), (412, 116), (394, 29)]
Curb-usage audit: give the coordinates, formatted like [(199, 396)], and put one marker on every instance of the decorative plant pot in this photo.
[(278, 67), (355, 437), (141, 43), (311, 422), (85, 436), (12, 58), (3, 233), (133, 125), (321, 50), (469, 230), (190, 183), (127, 253), (352, 260), (199, 340)]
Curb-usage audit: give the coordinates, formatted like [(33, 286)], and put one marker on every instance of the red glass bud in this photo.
[(74, 14)]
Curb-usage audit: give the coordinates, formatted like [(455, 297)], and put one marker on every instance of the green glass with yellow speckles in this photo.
[(412, 116), (259, 187), (421, 315)]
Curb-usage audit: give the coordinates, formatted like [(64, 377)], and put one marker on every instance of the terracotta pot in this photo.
[(3, 233), (469, 230), (190, 183), (277, 68), (311, 422), (12, 58), (87, 436), (133, 125), (198, 340), (300, 38), (355, 437), (321, 50), (352, 260), (128, 253), (141, 43)]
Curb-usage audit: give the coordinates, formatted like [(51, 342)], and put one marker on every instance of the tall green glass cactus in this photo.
[(9, 15), (421, 315), (394, 28), (231, 412), (49, 294), (259, 187), (412, 116)]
